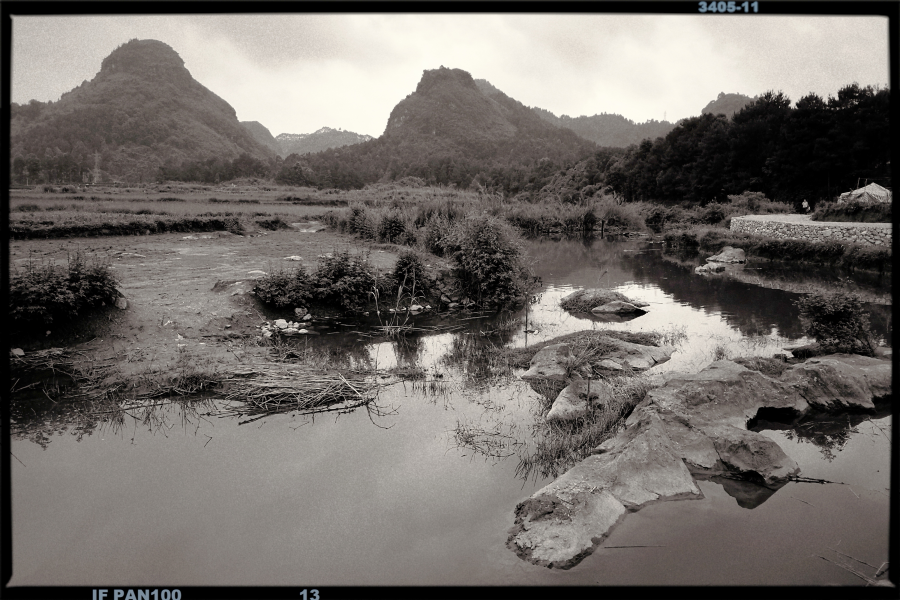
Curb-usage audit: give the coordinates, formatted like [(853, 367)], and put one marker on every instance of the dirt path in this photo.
[(187, 290)]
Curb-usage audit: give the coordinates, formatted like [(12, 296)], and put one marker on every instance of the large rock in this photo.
[(579, 397), (637, 356), (565, 521), (549, 363), (709, 268), (693, 426), (617, 307), (841, 381), (729, 255)]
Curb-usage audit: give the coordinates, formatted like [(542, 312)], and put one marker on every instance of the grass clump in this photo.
[(560, 445), (43, 292), (838, 322)]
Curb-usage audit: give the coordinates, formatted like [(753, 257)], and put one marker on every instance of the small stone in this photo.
[(308, 317), (267, 334), (445, 299), (228, 327), (17, 352), (300, 312), (415, 308), (121, 303), (293, 258), (302, 331), (281, 324), (453, 305)]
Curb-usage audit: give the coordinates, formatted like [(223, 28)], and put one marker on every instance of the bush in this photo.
[(488, 263), (234, 225), (344, 280), (44, 292), (838, 322), (285, 289), (409, 271), (391, 228)]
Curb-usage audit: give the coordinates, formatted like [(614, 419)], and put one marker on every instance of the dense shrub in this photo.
[(391, 228), (42, 293), (344, 280), (488, 264), (285, 289), (856, 212), (712, 214), (838, 322)]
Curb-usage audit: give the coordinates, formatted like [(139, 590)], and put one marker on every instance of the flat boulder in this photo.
[(617, 307), (729, 255)]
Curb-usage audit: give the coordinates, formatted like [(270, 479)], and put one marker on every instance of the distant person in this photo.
[(805, 206)]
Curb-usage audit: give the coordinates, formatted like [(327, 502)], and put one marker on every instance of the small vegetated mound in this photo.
[(838, 322), (42, 293), (853, 211)]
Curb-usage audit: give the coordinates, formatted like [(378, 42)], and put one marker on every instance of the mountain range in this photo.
[(143, 116)]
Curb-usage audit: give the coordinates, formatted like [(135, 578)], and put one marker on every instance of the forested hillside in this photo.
[(449, 132), (813, 150), (141, 112)]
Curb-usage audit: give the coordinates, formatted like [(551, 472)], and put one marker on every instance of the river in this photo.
[(396, 498)]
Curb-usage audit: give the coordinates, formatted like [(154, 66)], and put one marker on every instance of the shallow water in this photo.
[(363, 499)]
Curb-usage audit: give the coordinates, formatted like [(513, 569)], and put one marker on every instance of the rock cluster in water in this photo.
[(693, 426), (551, 368), (602, 302)]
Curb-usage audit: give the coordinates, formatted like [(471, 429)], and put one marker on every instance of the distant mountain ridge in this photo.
[(141, 111), (609, 130), (319, 140)]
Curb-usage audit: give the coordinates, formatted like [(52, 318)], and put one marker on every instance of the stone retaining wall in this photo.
[(873, 234)]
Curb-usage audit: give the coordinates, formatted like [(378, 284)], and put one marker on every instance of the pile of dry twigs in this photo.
[(270, 389)]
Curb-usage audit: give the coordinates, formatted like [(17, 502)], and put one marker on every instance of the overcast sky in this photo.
[(297, 73)]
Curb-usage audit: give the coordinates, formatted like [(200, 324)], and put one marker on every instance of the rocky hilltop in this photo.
[(322, 139), (727, 104)]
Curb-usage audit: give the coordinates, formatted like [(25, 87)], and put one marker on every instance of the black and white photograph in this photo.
[(315, 300)]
